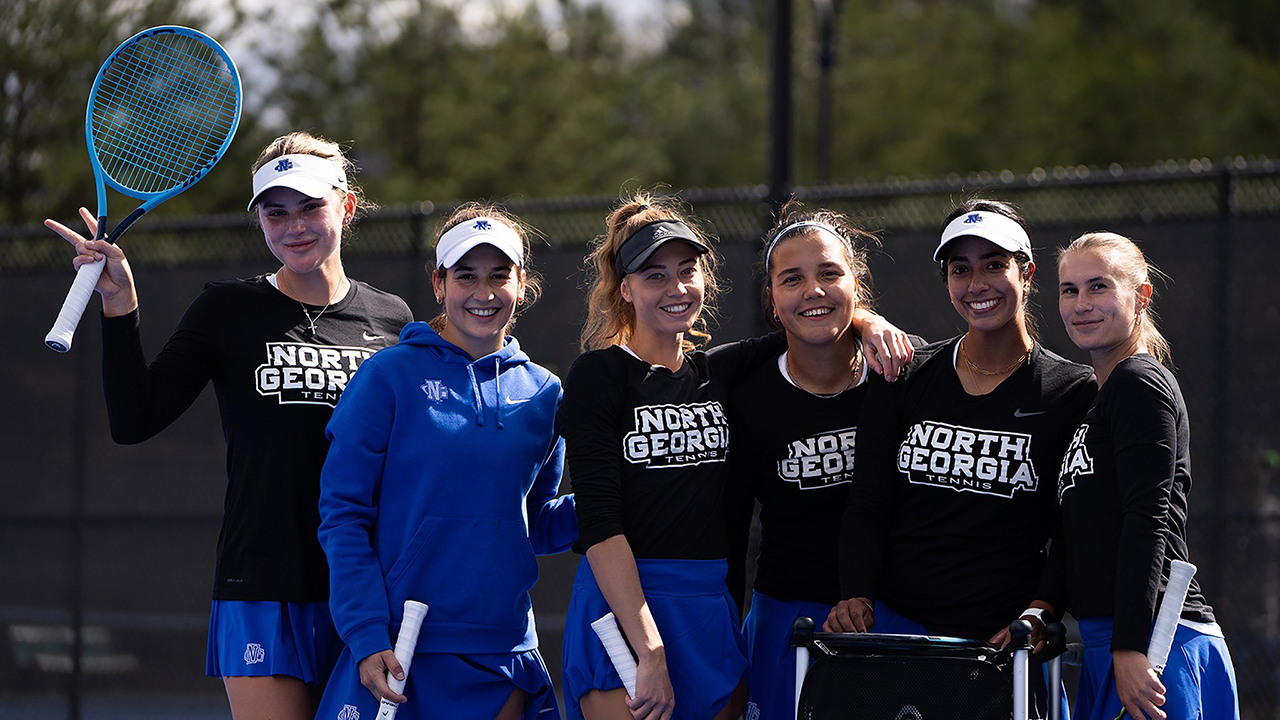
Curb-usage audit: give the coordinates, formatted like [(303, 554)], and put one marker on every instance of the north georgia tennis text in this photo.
[(308, 374), (678, 435), (964, 459)]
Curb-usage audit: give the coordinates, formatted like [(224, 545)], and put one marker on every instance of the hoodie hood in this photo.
[(508, 356)]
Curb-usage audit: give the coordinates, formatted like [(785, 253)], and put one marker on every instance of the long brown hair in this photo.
[(611, 320), (1023, 261)]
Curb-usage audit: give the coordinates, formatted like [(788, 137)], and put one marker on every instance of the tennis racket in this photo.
[(161, 113), (1175, 595), (607, 630), (406, 642)]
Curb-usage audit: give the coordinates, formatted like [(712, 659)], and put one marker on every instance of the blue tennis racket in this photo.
[(161, 113)]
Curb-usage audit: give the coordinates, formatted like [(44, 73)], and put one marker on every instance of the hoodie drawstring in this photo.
[(497, 385), (478, 398), (475, 394)]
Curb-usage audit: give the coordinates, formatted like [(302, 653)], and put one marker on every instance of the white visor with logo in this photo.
[(1003, 231), (310, 175), (464, 236)]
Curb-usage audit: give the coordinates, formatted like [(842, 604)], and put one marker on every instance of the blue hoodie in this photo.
[(440, 487)]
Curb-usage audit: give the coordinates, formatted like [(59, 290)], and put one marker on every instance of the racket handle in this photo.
[(607, 629), (64, 328), (406, 642), (1175, 594)]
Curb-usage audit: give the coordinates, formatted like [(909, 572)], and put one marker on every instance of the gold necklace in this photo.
[(992, 373), (857, 371), (311, 331)]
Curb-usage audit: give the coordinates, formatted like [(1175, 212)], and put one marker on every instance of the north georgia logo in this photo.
[(254, 654), (284, 165), (1075, 462), (678, 435), (435, 390), (973, 218), (988, 462), (302, 374), (348, 712), (821, 460), (482, 225)]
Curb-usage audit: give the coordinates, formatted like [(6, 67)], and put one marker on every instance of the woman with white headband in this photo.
[(796, 457), (279, 348), (953, 497), (645, 422), (440, 487)]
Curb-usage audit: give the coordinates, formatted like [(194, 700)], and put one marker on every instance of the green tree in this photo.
[(50, 51)]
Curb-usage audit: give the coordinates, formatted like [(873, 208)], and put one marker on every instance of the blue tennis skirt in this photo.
[(252, 638), (772, 673), (1199, 680), (698, 621), (446, 685)]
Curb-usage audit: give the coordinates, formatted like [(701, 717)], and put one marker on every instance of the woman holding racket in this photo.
[(797, 457), (440, 487), (1123, 487), (279, 349), (646, 426), (952, 501)]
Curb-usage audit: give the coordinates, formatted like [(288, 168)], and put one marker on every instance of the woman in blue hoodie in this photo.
[(440, 486)]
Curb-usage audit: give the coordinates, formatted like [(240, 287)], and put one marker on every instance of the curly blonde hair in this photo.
[(611, 320)]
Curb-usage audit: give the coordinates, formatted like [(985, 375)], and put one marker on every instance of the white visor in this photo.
[(310, 175), (1003, 231), (460, 238)]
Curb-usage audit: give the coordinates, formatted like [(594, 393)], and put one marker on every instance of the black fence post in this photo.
[(418, 230), (79, 469), (1222, 381), (780, 178)]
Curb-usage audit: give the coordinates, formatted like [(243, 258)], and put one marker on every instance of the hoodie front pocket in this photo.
[(409, 557), (473, 571)]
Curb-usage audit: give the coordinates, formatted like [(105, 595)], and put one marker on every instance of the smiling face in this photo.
[(813, 288), (1098, 307), (479, 294), (304, 233), (986, 286), (667, 291)]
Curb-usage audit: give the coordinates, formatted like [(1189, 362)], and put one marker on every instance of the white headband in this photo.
[(1002, 230), (310, 175), (768, 253), (460, 238)]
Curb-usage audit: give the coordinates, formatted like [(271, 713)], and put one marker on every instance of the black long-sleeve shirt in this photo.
[(953, 497), (276, 385), (794, 452), (1123, 485), (647, 448)]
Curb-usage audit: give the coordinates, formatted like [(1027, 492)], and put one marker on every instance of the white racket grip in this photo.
[(1175, 594), (64, 328), (406, 642), (607, 628)]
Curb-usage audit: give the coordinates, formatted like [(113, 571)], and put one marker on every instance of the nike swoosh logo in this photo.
[(1019, 414), (518, 402), (371, 338)]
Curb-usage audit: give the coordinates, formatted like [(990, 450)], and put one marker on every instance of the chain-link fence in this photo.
[(107, 551)]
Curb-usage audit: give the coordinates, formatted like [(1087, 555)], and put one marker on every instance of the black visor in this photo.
[(643, 243)]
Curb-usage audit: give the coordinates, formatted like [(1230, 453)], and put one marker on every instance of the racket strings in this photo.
[(167, 137), (174, 146), (163, 109)]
